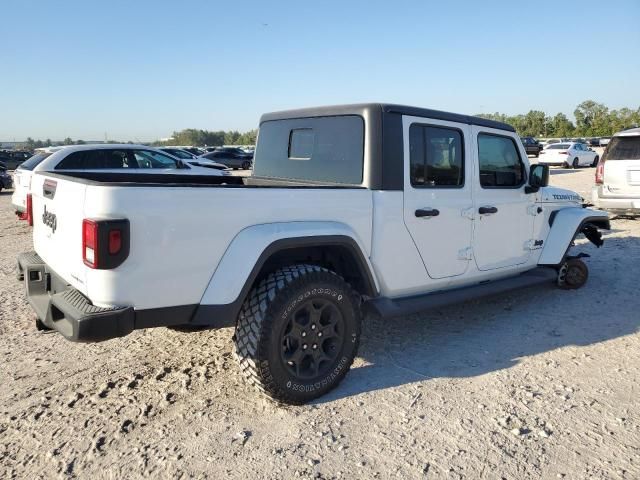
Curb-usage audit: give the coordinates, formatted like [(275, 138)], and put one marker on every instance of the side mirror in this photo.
[(538, 177)]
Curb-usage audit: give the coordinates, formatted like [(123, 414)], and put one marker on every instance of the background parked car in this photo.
[(571, 154), (594, 142), (230, 159), (178, 152), (192, 159), (22, 177), (604, 141), (617, 185), (195, 150), (125, 158), (5, 178), (236, 150), (12, 159), (531, 145)]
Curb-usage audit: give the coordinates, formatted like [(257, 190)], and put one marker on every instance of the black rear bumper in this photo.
[(64, 309), (61, 307)]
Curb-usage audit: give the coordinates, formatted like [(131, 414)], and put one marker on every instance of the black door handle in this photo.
[(427, 212), (485, 210)]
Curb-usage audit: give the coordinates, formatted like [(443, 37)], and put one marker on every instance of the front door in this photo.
[(503, 225), (437, 193)]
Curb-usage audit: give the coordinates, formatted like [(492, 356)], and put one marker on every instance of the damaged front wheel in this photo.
[(573, 274)]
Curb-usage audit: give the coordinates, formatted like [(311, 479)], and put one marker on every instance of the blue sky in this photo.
[(138, 70)]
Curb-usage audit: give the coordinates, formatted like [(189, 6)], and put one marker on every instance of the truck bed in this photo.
[(157, 179)]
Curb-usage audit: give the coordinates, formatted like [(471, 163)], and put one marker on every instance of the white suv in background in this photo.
[(22, 178), (618, 173), (115, 158)]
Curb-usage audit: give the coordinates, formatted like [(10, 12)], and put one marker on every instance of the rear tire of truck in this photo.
[(298, 333), (595, 162)]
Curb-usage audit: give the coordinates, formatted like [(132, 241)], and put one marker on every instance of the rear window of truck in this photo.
[(623, 148), (321, 149)]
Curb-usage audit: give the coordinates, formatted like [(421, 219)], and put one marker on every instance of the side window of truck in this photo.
[(322, 149), (436, 157), (301, 143), (500, 162)]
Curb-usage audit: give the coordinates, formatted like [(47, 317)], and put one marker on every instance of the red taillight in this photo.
[(105, 243), (90, 243), (29, 210), (115, 241), (600, 172)]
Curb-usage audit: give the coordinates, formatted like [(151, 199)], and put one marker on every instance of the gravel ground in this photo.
[(536, 384)]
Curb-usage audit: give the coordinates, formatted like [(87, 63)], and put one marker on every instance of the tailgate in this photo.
[(58, 211), (622, 177)]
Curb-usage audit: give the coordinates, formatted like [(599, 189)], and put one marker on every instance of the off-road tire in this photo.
[(261, 332), (573, 274)]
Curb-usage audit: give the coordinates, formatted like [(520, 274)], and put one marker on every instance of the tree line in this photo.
[(200, 138), (189, 136), (592, 119)]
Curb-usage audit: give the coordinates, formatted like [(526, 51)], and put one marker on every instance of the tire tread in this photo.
[(254, 319)]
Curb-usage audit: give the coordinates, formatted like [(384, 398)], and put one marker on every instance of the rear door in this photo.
[(437, 193), (503, 226), (584, 155), (622, 166)]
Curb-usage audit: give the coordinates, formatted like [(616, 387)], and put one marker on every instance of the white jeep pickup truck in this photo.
[(352, 209)]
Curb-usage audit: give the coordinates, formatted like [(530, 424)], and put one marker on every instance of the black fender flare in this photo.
[(225, 315)]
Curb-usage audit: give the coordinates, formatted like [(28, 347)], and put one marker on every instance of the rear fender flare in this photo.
[(253, 246)]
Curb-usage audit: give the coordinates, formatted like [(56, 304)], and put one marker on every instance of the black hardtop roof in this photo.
[(364, 108)]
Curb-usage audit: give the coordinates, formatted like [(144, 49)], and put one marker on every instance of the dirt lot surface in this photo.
[(541, 383)]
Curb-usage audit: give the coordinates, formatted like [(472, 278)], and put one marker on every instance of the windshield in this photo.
[(33, 161), (623, 148)]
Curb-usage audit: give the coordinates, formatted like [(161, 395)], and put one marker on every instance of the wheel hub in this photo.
[(312, 338)]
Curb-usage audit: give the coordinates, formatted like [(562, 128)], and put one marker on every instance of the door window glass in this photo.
[(500, 163), (436, 157)]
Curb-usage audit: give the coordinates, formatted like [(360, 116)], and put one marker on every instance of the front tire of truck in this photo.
[(573, 274), (298, 333)]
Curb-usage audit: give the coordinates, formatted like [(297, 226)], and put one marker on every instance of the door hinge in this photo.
[(533, 244), (468, 213), (534, 210), (465, 254)]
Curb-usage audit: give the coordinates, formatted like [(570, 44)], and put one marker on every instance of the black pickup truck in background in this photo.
[(531, 145)]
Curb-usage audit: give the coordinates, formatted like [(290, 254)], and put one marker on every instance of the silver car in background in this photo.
[(617, 185)]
